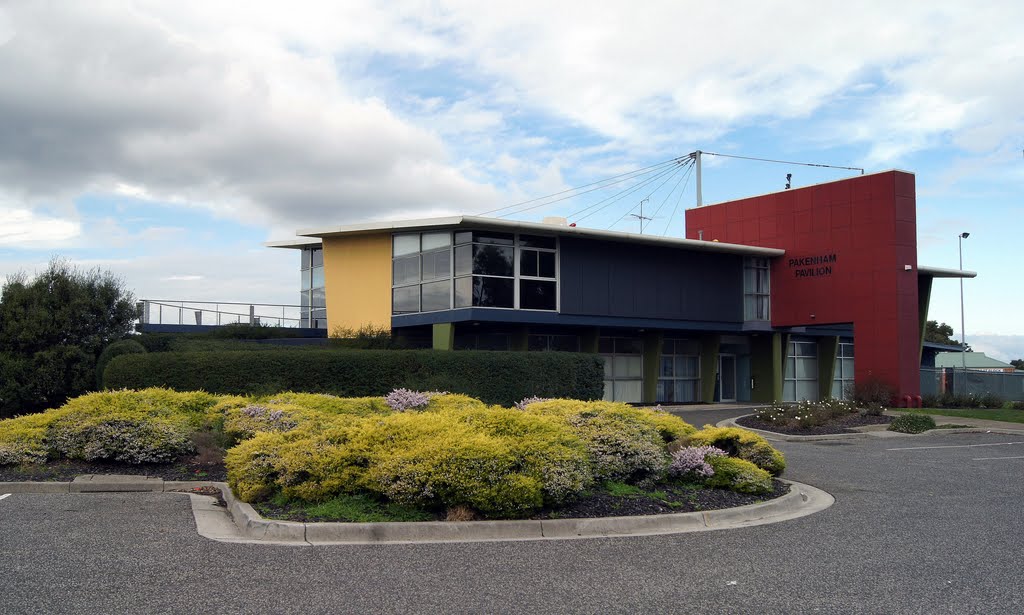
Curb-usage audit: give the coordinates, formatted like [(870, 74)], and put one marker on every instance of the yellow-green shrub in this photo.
[(544, 445), (252, 466), (451, 464), (148, 426), (454, 401), (743, 444), (624, 443), (329, 404), (739, 475), (23, 439)]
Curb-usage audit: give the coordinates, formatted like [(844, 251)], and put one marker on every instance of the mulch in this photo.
[(837, 426), (68, 469), (679, 499)]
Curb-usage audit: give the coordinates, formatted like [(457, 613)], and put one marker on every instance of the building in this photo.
[(973, 360), (791, 295)]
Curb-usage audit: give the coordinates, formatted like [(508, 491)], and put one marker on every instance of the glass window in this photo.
[(493, 292), (317, 257), (318, 298), (801, 379), (306, 252), (406, 270), (436, 296), (537, 295), (305, 279), (318, 277), (547, 264), (463, 292), (528, 263), (463, 237), (493, 260), (405, 244), (304, 301), (537, 241), (627, 366), (679, 377), (463, 260), (623, 368), (756, 289), (405, 300), (434, 241), (503, 239), (436, 264)]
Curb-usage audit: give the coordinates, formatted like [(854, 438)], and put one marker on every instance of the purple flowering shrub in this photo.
[(522, 404), (401, 400), (692, 462)]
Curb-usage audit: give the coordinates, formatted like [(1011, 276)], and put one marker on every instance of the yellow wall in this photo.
[(357, 273)]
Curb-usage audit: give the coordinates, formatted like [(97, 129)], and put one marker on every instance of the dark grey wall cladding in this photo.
[(604, 278)]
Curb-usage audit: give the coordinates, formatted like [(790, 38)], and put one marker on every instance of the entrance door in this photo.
[(727, 376)]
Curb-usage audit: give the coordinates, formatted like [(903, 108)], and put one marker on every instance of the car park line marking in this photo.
[(989, 458), (921, 448), (6, 495)]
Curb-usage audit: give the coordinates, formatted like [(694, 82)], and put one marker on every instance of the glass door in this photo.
[(727, 375)]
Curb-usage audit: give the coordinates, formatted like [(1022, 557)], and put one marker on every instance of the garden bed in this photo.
[(68, 469), (839, 425), (616, 500)]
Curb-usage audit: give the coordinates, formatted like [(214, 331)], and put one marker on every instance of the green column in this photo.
[(709, 344), (924, 297), (444, 336), (767, 362), (828, 348), (653, 341), (588, 340), (519, 340)]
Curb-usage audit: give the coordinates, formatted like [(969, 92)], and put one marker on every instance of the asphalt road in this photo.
[(925, 530)]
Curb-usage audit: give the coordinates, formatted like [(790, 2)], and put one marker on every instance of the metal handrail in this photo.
[(252, 317)]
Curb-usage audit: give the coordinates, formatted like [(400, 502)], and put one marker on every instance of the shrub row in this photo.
[(493, 377), (151, 426), (965, 400), (444, 451)]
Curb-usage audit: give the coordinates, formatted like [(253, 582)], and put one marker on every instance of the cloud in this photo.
[(25, 228), (120, 99), (1002, 347), (293, 115)]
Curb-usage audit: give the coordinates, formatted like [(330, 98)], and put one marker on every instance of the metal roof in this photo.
[(305, 242), (975, 360), (540, 228), (940, 272)]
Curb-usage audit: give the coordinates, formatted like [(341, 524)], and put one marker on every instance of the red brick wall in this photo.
[(864, 230)]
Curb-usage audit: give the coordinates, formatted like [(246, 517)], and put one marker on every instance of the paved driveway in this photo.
[(913, 530)]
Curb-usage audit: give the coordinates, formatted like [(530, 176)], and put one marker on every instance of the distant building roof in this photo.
[(974, 360)]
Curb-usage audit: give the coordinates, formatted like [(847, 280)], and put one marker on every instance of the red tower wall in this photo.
[(847, 246)]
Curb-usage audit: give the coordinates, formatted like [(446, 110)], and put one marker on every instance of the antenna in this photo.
[(789, 180), (641, 217)]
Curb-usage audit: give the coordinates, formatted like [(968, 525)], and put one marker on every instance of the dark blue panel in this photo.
[(604, 278)]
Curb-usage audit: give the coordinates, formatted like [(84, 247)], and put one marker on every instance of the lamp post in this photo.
[(963, 335)]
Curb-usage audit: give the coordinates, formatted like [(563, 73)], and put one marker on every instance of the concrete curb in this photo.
[(870, 433), (240, 522), (800, 501)]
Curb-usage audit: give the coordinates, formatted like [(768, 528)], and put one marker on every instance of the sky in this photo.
[(167, 141)]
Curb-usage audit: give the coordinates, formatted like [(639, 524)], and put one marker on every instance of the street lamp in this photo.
[(963, 335)]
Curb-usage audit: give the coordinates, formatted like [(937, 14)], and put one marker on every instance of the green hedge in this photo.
[(493, 377)]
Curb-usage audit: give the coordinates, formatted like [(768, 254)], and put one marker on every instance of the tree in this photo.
[(1017, 363), (52, 329), (940, 333)]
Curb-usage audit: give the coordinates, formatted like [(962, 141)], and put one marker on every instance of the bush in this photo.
[(493, 377), (691, 462), (115, 350), (149, 426), (805, 414), (739, 475), (625, 444), (873, 392), (23, 439), (1017, 405), (912, 423), (52, 329), (743, 444)]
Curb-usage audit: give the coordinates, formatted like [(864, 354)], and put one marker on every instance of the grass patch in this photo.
[(348, 508), (622, 490), (994, 414)]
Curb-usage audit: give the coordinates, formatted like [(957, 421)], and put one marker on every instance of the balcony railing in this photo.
[(213, 313)]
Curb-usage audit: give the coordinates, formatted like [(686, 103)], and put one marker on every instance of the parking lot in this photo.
[(926, 524)]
